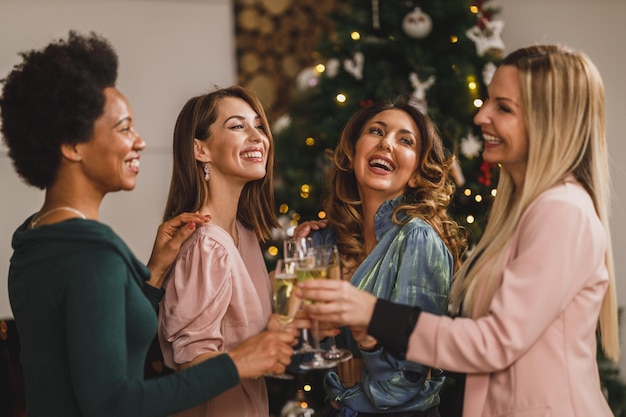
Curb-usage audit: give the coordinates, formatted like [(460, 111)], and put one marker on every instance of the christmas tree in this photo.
[(440, 54)]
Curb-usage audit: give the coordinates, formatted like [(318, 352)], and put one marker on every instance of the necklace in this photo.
[(36, 221)]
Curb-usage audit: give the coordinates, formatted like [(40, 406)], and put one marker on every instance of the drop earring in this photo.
[(207, 173)]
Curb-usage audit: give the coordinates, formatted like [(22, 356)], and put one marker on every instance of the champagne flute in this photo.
[(296, 250), (286, 303), (315, 266), (334, 272)]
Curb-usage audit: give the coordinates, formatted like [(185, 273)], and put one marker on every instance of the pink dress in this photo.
[(216, 296)]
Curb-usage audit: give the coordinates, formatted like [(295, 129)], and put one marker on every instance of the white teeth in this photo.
[(382, 163), (133, 163), (491, 139), (255, 154)]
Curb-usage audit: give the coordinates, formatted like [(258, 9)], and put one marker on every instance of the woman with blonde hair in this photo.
[(540, 285)]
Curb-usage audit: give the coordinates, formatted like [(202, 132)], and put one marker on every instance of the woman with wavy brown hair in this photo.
[(387, 202)]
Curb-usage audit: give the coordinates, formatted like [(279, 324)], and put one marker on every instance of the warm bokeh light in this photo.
[(305, 188), (295, 216), (467, 192), (341, 98), (454, 39), (472, 85), (272, 250), (307, 388), (309, 141), (320, 68), (478, 198), (321, 214), (355, 36), (470, 219), (494, 192), (478, 103), (474, 9), (283, 209)]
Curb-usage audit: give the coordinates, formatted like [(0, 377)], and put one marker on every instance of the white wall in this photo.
[(594, 28), (168, 51)]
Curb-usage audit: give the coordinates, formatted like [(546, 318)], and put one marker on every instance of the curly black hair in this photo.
[(52, 97)]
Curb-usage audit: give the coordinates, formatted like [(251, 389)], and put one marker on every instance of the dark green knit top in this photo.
[(85, 325)]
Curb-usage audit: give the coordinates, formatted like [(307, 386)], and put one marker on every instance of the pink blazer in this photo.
[(534, 354)]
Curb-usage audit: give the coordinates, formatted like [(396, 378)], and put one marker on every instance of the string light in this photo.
[(474, 9), (454, 39), (341, 98), (309, 141), (478, 103), (320, 68), (307, 387), (478, 198), (305, 189), (355, 36), (470, 219), (494, 192), (467, 192), (272, 250), (321, 214), (283, 209)]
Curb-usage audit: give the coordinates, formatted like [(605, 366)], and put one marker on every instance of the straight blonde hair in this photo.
[(562, 99)]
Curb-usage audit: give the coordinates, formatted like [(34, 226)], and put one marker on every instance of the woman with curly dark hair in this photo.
[(387, 208), (84, 305)]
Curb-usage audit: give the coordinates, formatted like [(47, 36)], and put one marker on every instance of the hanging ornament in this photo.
[(457, 172), (281, 124), (417, 24), (307, 78), (375, 15), (487, 36), (418, 97), (488, 70), (332, 67), (354, 66), (471, 146)]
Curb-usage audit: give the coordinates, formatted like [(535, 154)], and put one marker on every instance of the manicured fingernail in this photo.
[(191, 225)]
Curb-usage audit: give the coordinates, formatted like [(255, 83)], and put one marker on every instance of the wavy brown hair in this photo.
[(188, 187), (429, 200)]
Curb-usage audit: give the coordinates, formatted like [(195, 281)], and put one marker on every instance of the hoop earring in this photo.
[(207, 173)]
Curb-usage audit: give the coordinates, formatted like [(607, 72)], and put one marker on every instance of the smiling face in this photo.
[(502, 122), (237, 146), (387, 154), (110, 158)]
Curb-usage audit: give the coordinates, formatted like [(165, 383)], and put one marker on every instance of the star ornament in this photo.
[(487, 38), (471, 146)]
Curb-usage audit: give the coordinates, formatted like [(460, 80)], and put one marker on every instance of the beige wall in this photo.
[(170, 50)]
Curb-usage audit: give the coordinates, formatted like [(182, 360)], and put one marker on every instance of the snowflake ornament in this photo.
[(487, 36), (471, 146)]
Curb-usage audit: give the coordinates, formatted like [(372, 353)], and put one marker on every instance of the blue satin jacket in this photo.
[(410, 265)]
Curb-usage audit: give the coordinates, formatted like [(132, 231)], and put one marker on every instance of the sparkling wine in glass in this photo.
[(297, 250), (315, 266), (286, 303), (334, 272)]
